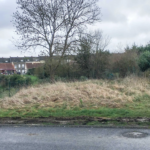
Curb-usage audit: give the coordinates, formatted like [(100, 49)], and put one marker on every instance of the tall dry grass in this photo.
[(89, 94)]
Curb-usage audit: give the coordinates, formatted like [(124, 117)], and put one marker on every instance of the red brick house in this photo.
[(7, 68)]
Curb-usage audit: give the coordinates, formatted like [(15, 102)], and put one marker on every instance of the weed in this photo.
[(144, 97), (81, 103), (64, 105)]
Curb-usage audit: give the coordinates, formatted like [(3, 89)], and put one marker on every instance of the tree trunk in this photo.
[(52, 77)]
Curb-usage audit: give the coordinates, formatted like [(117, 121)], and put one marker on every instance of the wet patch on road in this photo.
[(135, 134), (32, 134)]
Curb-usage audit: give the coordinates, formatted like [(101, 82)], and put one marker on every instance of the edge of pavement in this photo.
[(79, 122)]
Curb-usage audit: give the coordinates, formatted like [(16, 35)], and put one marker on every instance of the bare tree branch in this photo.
[(53, 24)]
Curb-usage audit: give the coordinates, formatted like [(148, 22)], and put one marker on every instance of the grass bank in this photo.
[(128, 97)]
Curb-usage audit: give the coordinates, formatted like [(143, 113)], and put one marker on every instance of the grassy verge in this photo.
[(33, 112)]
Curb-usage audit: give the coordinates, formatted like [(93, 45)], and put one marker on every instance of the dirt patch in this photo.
[(71, 121)]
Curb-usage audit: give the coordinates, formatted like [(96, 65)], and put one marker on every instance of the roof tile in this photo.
[(6, 66)]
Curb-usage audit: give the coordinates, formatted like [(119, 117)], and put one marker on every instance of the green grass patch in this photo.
[(33, 112), (140, 104), (34, 79)]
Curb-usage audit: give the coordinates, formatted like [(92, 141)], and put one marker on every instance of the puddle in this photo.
[(32, 134)]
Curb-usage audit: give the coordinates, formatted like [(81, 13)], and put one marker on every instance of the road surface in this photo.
[(72, 138)]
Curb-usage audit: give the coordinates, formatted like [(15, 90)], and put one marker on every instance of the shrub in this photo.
[(40, 72), (31, 71), (28, 81), (14, 80), (83, 78), (3, 80), (144, 61), (124, 63)]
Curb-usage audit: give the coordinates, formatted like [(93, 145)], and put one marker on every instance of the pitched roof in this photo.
[(6, 66), (33, 65)]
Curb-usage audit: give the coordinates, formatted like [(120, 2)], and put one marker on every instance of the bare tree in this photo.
[(100, 55), (92, 56), (53, 25)]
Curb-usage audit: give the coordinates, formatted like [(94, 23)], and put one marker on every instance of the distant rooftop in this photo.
[(33, 65), (6, 66), (21, 59)]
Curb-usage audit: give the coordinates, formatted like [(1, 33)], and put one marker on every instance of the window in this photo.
[(22, 65), (21, 60), (68, 60), (6, 60), (19, 65)]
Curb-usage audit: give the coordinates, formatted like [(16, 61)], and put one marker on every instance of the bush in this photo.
[(28, 81), (144, 61), (40, 72), (14, 80), (124, 63), (31, 71), (83, 78), (147, 73), (3, 80)]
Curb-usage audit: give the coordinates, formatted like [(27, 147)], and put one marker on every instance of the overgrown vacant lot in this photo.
[(128, 97)]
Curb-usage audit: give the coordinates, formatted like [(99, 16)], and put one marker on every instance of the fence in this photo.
[(11, 84), (9, 88)]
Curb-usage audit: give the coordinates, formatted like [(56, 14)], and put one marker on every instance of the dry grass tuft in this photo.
[(89, 94)]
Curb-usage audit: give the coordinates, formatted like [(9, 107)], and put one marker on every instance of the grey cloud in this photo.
[(111, 12), (9, 49), (108, 16), (125, 21), (119, 10), (7, 7)]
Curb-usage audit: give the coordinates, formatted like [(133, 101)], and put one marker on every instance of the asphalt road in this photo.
[(68, 138)]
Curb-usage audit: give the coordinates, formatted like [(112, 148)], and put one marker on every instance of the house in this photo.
[(7, 68), (20, 62), (32, 65), (23, 64)]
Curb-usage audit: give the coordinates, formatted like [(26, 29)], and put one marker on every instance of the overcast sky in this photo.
[(124, 21)]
